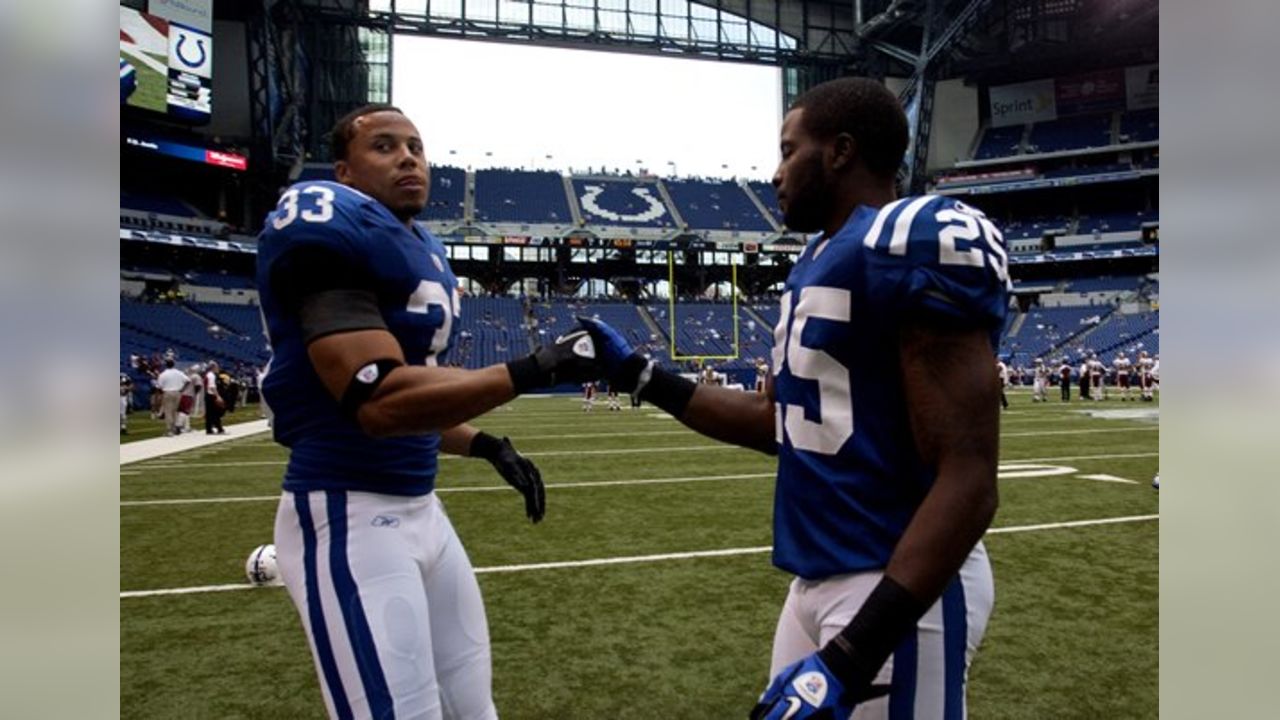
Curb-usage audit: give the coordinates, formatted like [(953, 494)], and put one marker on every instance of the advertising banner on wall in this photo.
[(1023, 103), (1142, 87), (1091, 92)]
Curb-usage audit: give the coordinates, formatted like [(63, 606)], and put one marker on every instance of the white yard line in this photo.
[(477, 488), (650, 558)]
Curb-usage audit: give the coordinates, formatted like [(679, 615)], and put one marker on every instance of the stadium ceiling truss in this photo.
[(759, 31), (346, 46)]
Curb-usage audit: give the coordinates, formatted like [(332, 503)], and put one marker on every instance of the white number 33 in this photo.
[(319, 196)]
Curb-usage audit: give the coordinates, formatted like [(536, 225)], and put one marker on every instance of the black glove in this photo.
[(517, 470), (570, 359)]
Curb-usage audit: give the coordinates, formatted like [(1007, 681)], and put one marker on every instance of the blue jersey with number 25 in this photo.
[(849, 476), (417, 295)]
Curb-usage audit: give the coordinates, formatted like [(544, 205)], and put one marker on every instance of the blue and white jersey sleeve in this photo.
[(321, 216), (939, 256)]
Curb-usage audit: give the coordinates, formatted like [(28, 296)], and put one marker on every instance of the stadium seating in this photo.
[(1126, 333), (705, 328), (521, 196), (1140, 126), (148, 327), (143, 202), (1072, 133), (716, 205), (491, 330), (219, 280), (1031, 227), (447, 200), (1109, 222), (1122, 283), (999, 142), (622, 201), (769, 197), (1047, 329)]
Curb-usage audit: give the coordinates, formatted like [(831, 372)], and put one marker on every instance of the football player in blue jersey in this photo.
[(883, 412), (361, 307)]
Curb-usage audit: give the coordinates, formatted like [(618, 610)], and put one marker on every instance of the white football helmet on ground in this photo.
[(261, 567)]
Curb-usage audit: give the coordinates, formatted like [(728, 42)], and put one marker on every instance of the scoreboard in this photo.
[(166, 59)]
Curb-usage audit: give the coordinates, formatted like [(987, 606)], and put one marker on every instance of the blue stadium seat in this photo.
[(716, 205), (491, 330), (1140, 126), (447, 200), (769, 196), (521, 196), (143, 202), (999, 142), (1072, 133)]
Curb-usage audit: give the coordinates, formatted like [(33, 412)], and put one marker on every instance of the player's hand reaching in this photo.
[(622, 365), (808, 690), (517, 470), (570, 359)]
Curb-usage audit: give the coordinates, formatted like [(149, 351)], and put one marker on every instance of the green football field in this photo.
[(683, 636)]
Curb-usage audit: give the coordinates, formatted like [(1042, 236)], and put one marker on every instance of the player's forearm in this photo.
[(457, 439), (417, 399), (732, 416), (951, 520)]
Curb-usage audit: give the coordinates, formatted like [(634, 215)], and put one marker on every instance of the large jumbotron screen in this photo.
[(165, 66)]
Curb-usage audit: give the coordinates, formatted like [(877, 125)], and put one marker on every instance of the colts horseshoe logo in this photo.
[(199, 46), (656, 209)]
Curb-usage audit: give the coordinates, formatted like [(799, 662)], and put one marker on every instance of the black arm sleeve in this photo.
[(320, 287)]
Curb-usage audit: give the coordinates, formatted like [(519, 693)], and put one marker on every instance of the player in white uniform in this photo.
[(1145, 378), (1002, 372), (361, 305), (762, 372), (588, 396), (613, 398), (1040, 382), (882, 411), (1097, 378), (1122, 367)]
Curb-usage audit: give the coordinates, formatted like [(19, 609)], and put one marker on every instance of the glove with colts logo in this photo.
[(807, 690)]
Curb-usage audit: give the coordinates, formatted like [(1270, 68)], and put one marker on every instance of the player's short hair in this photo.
[(866, 110), (345, 128)]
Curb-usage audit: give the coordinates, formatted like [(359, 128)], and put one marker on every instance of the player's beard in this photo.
[(809, 198)]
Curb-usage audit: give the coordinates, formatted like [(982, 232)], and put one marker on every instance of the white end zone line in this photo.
[(650, 558)]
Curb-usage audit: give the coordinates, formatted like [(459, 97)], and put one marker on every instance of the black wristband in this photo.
[(527, 375), (628, 375), (668, 391), (484, 445), (858, 652)]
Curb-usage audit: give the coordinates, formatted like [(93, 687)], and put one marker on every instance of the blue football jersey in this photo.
[(849, 476), (418, 297)]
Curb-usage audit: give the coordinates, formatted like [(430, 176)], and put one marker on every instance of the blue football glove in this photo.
[(808, 690), (621, 363)]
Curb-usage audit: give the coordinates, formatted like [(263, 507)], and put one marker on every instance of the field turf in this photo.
[(1073, 634)]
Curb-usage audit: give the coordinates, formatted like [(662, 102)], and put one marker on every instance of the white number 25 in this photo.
[(835, 424)]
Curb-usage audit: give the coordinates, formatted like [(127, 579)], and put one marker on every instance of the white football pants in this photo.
[(390, 605), (927, 673)]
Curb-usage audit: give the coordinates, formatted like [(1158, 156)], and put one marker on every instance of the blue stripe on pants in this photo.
[(315, 613), (362, 643), (902, 692), (955, 639)]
